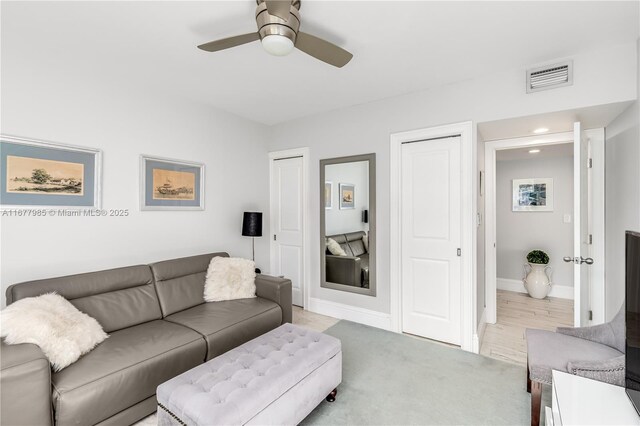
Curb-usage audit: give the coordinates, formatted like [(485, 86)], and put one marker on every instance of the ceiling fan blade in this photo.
[(279, 8), (323, 50), (225, 43)]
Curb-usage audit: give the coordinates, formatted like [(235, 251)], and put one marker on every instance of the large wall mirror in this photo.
[(348, 223)]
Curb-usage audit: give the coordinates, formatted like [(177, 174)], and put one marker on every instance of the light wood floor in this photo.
[(312, 320), (505, 340)]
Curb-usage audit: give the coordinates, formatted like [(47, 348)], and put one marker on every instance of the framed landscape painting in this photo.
[(36, 173), (167, 184), (533, 195), (347, 196)]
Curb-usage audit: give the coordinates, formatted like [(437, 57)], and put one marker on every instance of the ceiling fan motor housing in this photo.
[(273, 25)]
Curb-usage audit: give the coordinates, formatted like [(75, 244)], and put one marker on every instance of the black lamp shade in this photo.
[(252, 224)]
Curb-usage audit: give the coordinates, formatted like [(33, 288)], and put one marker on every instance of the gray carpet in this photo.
[(393, 379)]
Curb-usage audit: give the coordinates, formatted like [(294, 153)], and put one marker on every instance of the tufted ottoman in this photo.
[(277, 378)]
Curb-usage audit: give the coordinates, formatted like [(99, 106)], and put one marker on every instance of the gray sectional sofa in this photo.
[(159, 327), (352, 269)]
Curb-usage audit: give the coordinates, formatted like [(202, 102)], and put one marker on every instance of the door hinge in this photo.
[(459, 252), (590, 163), (590, 315), (274, 237), (590, 239)]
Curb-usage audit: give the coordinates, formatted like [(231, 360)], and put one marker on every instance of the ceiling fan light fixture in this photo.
[(277, 45)]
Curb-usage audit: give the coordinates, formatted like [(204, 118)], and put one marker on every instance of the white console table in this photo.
[(580, 401)]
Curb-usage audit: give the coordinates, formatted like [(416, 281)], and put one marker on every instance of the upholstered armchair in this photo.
[(595, 352)]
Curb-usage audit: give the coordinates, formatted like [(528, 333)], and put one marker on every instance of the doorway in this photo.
[(543, 193), (288, 225)]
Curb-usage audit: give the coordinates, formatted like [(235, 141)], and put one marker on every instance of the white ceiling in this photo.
[(546, 151), (398, 47), (594, 117)]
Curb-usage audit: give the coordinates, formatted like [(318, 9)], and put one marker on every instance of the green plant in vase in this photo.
[(538, 257)]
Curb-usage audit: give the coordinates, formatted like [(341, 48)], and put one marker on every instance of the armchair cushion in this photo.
[(549, 351)]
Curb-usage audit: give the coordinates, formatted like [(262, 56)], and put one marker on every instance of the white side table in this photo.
[(580, 401)]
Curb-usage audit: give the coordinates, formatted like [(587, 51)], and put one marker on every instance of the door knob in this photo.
[(578, 260)]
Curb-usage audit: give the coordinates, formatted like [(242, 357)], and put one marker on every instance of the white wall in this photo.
[(43, 103), (622, 206), (517, 233), (339, 221), (366, 128)]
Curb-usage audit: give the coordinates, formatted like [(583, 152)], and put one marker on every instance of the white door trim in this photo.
[(468, 231), (491, 147), (279, 155)]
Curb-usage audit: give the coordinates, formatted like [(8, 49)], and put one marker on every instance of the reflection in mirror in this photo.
[(348, 223)]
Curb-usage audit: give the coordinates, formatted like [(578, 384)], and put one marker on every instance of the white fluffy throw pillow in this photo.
[(50, 321), (230, 278), (334, 248)]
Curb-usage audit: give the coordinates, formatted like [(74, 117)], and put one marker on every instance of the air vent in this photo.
[(550, 77)]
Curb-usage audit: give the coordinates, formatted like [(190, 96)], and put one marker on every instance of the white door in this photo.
[(581, 212), (287, 223), (431, 222)]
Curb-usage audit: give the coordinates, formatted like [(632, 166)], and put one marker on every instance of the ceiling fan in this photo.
[(278, 29)]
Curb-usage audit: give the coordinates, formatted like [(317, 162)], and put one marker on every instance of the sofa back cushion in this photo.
[(357, 247), (180, 282), (342, 240), (116, 298)]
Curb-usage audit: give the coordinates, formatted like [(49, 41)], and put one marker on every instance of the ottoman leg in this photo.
[(332, 396), (536, 399)]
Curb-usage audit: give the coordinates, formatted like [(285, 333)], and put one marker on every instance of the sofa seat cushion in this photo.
[(547, 351), (230, 323), (123, 370)]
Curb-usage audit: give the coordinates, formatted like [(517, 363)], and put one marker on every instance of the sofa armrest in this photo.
[(277, 290), (25, 381), (344, 270), (609, 371)]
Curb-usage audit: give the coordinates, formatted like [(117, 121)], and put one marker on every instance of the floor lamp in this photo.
[(252, 227)]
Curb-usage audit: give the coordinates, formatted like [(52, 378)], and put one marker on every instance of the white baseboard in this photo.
[(560, 291), (350, 313), (479, 335)]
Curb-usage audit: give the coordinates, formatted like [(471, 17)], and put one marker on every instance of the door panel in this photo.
[(581, 246), (431, 221), (287, 220)]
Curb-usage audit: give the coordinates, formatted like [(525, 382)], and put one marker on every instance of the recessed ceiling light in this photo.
[(540, 130), (534, 151)]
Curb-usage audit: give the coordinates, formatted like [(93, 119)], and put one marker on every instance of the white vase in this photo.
[(536, 280)]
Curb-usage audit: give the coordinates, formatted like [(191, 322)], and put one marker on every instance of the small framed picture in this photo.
[(533, 195), (167, 184), (328, 195), (45, 174), (347, 196)]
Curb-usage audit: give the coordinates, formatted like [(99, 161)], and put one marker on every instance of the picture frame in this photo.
[(171, 184), (328, 195), (48, 175), (347, 196), (532, 195)]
